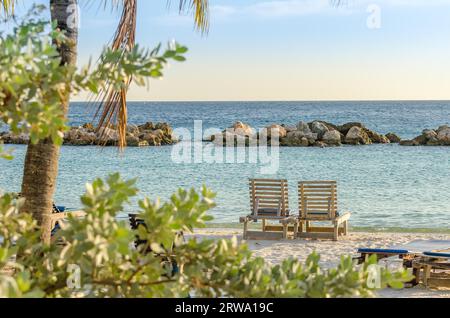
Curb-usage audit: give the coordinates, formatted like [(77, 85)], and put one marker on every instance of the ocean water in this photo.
[(384, 186)]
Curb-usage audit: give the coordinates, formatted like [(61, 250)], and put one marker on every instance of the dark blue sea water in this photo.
[(385, 186)]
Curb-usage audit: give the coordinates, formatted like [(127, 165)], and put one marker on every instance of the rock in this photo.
[(376, 137), (146, 127), (429, 134), (344, 129), (299, 139), (430, 137), (408, 143), (303, 127), (330, 126), (133, 141), (21, 139), (154, 135), (320, 144), (443, 135), (289, 128), (443, 127), (151, 139), (228, 139), (420, 140), (433, 142), (89, 127), (168, 131), (357, 136), (86, 138), (277, 130), (319, 128), (107, 134), (393, 138), (241, 129), (133, 129), (295, 139), (332, 137)]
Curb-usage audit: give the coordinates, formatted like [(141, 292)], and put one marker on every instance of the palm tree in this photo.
[(41, 161)]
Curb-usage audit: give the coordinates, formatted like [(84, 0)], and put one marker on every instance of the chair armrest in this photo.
[(343, 218)]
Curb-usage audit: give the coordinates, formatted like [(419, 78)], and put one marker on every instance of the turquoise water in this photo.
[(384, 186)]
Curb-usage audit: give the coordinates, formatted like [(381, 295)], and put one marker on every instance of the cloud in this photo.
[(273, 9)]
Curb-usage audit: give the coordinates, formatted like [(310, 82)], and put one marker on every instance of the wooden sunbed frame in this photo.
[(269, 201), (58, 217), (433, 271), (318, 202)]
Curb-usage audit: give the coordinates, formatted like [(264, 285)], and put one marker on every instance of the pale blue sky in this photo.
[(291, 49)]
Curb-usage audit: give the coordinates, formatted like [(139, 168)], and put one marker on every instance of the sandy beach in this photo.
[(275, 251)]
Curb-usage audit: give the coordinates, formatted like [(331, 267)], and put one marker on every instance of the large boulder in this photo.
[(151, 139), (228, 139), (107, 134), (241, 129), (357, 136), (86, 138), (303, 127), (165, 127), (344, 129), (443, 135), (332, 137), (132, 141), (133, 129), (330, 126), (146, 127), (275, 130), (376, 137), (296, 139), (393, 138), (319, 128), (289, 128)]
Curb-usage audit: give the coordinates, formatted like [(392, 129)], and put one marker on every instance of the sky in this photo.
[(289, 49)]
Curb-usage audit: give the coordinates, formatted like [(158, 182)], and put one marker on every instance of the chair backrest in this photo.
[(269, 197), (318, 199)]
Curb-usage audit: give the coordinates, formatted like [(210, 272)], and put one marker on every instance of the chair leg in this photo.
[(245, 229), (426, 275), (285, 231), (345, 228), (296, 225), (264, 225), (336, 232)]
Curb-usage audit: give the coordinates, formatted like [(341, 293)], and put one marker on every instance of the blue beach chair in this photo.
[(433, 268), (413, 249), (415, 255)]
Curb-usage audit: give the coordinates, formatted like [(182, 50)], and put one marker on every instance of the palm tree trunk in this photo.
[(41, 161)]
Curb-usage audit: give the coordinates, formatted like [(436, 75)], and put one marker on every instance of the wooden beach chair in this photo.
[(269, 201), (167, 258), (433, 269), (318, 202)]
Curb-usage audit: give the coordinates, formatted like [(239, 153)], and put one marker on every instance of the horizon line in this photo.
[(274, 101)]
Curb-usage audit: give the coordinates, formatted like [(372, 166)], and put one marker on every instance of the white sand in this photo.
[(275, 251)]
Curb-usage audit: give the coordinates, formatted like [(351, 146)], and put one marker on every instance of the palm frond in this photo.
[(7, 7), (112, 105), (200, 9)]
